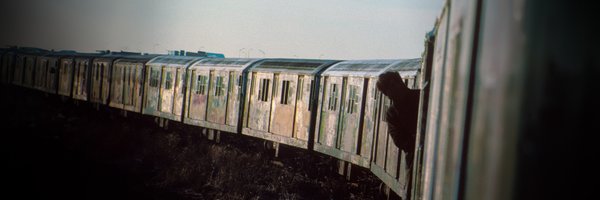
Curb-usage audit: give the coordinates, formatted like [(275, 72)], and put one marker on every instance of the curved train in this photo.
[(493, 79), (327, 106)]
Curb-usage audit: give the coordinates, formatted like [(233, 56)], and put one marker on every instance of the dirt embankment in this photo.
[(60, 150)]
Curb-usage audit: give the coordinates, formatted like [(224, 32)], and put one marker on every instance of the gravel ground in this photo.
[(60, 150)]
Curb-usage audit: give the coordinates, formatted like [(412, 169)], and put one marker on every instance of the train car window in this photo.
[(230, 83), (310, 103), (263, 89), (333, 97), (219, 86), (168, 80), (154, 78), (300, 88), (201, 84), (352, 99), (285, 89)]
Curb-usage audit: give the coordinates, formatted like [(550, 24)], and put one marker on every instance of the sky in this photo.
[(325, 29)]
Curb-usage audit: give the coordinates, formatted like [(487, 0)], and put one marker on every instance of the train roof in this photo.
[(369, 68), (300, 66), (237, 64), (407, 67), (135, 58), (173, 61)]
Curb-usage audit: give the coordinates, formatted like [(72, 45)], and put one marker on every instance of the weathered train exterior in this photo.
[(216, 93), (127, 81), (164, 86), (278, 102)]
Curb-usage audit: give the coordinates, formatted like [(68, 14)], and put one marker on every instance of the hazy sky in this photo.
[(335, 29)]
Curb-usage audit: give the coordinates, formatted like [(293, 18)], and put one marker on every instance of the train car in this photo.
[(511, 101), (48, 70), (81, 75), (101, 71), (389, 163), (346, 123), (127, 82), (23, 74), (215, 93), (281, 102), (164, 84)]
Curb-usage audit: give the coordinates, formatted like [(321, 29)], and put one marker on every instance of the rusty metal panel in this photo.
[(166, 90), (80, 82), (132, 86), (52, 75), (328, 130), (233, 98), (198, 95), (40, 73), (303, 113), (217, 96), (283, 104), (370, 115), (116, 92), (65, 76), (382, 135), (106, 77), (178, 93), (152, 89), (260, 101), (350, 114)]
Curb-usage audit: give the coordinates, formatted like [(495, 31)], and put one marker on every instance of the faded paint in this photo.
[(65, 76), (302, 108), (233, 98), (282, 118), (166, 90), (197, 107), (330, 112), (152, 91), (260, 111), (217, 97), (80, 78)]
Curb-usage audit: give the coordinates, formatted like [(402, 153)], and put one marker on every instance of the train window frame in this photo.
[(352, 99), (154, 77), (219, 87), (263, 89), (333, 96), (201, 82), (285, 90), (311, 87), (168, 80), (300, 88)]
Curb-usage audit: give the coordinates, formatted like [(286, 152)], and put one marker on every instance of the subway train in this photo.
[(493, 82), (279, 100)]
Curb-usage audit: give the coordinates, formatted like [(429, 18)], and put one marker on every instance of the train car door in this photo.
[(66, 76), (350, 119), (51, 75), (303, 111), (284, 104), (153, 88), (260, 101), (178, 91), (117, 86), (330, 111), (198, 95), (234, 90), (167, 90), (217, 96), (96, 82)]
